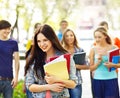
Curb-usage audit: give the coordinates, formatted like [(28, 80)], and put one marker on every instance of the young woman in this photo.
[(47, 45), (70, 43), (104, 82)]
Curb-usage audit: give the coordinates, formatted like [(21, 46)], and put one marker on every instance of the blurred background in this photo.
[(83, 16)]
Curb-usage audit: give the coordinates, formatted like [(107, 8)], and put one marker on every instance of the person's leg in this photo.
[(98, 88), (111, 88), (8, 90), (1, 89), (76, 92)]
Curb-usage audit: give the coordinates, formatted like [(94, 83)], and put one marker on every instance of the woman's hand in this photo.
[(109, 64), (99, 58), (50, 79), (57, 87)]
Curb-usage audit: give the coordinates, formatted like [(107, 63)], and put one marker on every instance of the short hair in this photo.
[(103, 23), (35, 26), (63, 21), (4, 24)]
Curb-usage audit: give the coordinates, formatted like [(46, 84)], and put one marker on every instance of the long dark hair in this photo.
[(37, 56)]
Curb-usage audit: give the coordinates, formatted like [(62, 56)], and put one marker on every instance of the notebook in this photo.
[(111, 53), (67, 57), (57, 67), (79, 58), (115, 60)]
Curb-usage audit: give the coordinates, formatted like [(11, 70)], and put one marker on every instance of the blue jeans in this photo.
[(6, 89), (76, 92), (28, 93)]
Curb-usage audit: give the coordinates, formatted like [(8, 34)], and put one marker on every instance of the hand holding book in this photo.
[(112, 58), (58, 68), (79, 58), (50, 79)]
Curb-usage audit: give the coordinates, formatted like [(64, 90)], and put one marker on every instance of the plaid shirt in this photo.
[(31, 78)]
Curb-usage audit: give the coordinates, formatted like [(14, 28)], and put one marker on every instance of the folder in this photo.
[(57, 67), (115, 60), (67, 57), (79, 58), (111, 53)]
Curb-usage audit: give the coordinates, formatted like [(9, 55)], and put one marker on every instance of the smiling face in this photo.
[(5, 32), (44, 44), (99, 37), (69, 38)]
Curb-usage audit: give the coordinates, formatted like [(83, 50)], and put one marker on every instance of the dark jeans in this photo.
[(29, 94), (76, 92), (6, 88)]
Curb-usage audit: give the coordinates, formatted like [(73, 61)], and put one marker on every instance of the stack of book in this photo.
[(59, 66), (114, 57)]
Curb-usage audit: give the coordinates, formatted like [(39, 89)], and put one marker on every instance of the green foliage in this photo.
[(18, 91), (1, 96)]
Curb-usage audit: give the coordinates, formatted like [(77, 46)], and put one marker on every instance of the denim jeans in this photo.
[(28, 93), (6, 89), (76, 92)]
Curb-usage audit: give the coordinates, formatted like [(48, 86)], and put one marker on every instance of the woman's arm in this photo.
[(82, 67), (71, 83), (33, 87), (110, 64), (51, 79), (56, 87), (93, 65)]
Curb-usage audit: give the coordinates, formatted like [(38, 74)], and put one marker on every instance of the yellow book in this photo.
[(57, 67)]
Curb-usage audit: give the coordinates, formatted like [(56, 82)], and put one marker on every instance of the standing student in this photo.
[(8, 49), (63, 27), (105, 25), (29, 43), (105, 83), (47, 45), (70, 43)]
